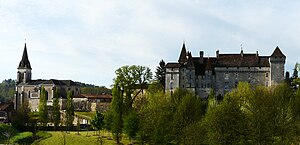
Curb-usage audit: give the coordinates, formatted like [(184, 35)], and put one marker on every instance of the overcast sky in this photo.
[(88, 40)]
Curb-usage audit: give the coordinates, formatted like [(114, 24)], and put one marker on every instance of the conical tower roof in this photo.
[(277, 53), (182, 57), (24, 63)]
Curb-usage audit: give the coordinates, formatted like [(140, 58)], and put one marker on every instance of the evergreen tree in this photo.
[(69, 110), (161, 73), (117, 109), (98, 121), (43, 110), (295, 74), (56, 109)]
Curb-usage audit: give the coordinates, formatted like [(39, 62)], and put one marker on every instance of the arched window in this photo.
[(171, 85)]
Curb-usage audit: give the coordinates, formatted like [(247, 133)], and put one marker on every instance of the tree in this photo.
[(117, 110), (69, 110), (295, 74), (56, 109), (43, 110), (98, 121), (160, 73), (131, 124)]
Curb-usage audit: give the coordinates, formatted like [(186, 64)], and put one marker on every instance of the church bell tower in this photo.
[(24, 69)]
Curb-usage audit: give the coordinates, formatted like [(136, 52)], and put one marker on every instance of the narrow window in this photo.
[(172, 77), (267, 84), (171, 85), (267, 75)]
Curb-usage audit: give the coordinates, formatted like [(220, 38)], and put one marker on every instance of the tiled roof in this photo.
[(277, 53), (24, 63)]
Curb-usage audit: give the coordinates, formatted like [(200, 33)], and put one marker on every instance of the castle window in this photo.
[(249, 75), (226, 75), (236, 75), (172, 77), (248, 67), (171, 85), (267, 84), (267, 75), (226, 86)]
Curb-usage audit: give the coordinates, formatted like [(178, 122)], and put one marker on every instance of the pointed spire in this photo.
[(24, 63), (182, 57)]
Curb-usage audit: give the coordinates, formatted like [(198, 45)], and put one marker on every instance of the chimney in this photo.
[(217, 53), (242, 53), (201, 57), (256, 53)]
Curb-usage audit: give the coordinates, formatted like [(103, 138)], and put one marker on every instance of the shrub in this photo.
[(23, 138)]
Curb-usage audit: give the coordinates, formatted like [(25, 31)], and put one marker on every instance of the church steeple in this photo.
[(24, 63), (24, 69)]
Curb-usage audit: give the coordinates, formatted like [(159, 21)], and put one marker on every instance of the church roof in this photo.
[(24, 63), (277, 53), (51, 82)]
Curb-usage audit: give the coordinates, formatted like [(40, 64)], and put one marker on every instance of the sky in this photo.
[(87, 40)]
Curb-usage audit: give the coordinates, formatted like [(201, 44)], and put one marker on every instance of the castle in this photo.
[(28, 90), (223, 72)]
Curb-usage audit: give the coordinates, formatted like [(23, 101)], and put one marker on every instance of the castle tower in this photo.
[(277, 61), (24, 69)]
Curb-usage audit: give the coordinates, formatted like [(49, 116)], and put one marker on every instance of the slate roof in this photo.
[(51, 82), (182, 57), (92, 96), (172, 64), (24, 63), (245, 60), (277, 53)]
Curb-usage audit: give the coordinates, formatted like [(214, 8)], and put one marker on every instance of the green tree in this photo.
[(98, 121), (295, 73), (56, 109), (43, 110), (131, 125), (117, 111), (160, 73), (225, 123), (69, 110)]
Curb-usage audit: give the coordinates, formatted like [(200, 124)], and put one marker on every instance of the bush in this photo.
[(6, 132), (23, 138)]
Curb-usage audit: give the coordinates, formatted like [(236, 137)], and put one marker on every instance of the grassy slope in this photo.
[(74, 139)]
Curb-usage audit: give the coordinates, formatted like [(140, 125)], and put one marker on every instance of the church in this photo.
[(223, 72), (28, 90)]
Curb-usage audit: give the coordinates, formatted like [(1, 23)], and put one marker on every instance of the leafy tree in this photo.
[(108, 119), (129, 79), (21, 117), (43, 110), (225, 123), (160, 73), (69, 110), (131, 124), (56, 109), (98, 121)]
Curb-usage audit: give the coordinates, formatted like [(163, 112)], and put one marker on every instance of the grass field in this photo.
[(73, 139)]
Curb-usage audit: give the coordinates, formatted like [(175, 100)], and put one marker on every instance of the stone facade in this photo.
[(28, 90), (223, 72)]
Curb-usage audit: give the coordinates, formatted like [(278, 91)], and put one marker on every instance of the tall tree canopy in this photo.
[(160, 73)]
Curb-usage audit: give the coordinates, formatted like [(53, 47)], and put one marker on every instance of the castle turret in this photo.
[(24, 69), (183, 55), (277, 61)]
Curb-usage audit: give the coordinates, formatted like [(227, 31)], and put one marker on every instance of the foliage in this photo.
[(160, 73), (117, 111), (69, 110), (6, 132), (95, 90), (131, 124), (23, 138), (108, 119), (7, 90), (21, 117), (43, 110), (98, 121), (56, 109)]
